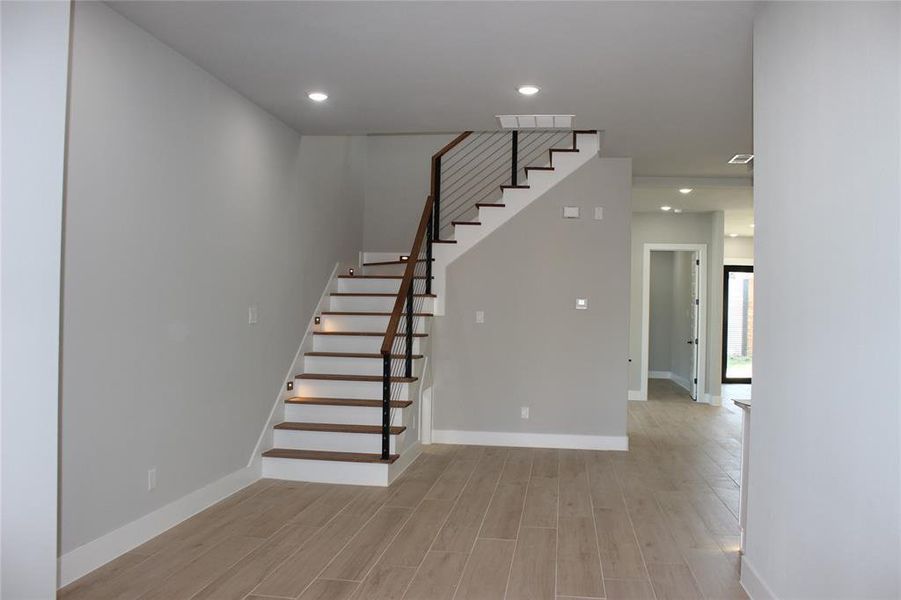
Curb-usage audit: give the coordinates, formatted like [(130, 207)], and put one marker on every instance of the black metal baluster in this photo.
[(386, 405), (514, 162), (436, 194), (408, 359), (428, 255)]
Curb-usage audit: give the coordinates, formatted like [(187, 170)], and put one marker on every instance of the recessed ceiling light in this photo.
[(529, 90), (677, 210), (741, 159), (733, 235), (317, 96), (685, 190), (666, 208)]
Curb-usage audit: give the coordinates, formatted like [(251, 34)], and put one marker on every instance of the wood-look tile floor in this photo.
[(472, 523)]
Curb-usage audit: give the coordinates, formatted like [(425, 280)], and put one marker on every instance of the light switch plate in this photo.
[(524, 412), (480, 316), (570, 212), (253, 314), (598, 213), (581, 303), (151, 479)]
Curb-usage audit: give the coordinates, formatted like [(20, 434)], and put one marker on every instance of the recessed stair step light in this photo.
[(535, 121)]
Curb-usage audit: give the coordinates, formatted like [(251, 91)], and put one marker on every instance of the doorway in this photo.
[(738, 323), (686, 333)]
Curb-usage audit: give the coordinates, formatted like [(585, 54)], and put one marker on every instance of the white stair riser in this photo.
[(353, 343), (362, 285), (351, 366), (374, 303), (385, 270), (331, 441), (324, 471), (364, 323), (323, 388), (350, 415)]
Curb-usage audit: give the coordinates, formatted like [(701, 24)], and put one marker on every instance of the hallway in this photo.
[(465, 522)]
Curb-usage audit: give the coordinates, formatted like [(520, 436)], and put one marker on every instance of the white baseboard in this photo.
[(752, 583), (660, 375), (84, 559), (637, 395), (531, 440), (713, 400)]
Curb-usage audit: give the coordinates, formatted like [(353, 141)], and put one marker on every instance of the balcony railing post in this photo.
[(386, 405), (514, 158), (408, 359), (428, 255), (436, 196)]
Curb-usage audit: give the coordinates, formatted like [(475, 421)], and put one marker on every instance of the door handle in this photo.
[(691, 341)]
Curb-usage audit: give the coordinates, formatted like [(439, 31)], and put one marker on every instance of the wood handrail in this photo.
[(447, 148), (418, 240), (407, 280)]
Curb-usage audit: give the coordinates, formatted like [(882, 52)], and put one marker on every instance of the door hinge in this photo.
[(697, 301), (698, 262), (696, 341), (696, 380)]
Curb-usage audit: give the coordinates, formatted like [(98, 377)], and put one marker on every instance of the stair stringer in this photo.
[(514, 200)]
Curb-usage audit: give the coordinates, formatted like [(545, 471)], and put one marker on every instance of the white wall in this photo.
[(660, 325), (397, 184), (669, 323), (681, 360), (824, 479), (685, 228), (738, 251), (35, 55), (534, 348), (186, 204)]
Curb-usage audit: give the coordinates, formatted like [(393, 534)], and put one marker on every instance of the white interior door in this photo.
[(694, 321)]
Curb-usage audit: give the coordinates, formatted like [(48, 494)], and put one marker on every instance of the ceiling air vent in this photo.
[(741, 159), (535, 121)]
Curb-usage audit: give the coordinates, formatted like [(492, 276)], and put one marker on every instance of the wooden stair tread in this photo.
[(379, 277), (338, 427), (343, 377), (444, 241), (356, 355), (465, 223), (377, 295), (490, 205), (358, 402), (392, 262), (370, 314), (362, 333), (356, 457), (515, 187), (563, 150), (539, 169)]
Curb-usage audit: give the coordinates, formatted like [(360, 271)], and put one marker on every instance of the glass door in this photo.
[(738, 323)]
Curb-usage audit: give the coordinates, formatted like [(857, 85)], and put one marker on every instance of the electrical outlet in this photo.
[(151, 479), (524, 412), (598, 213), (253, 314), (480, 316)]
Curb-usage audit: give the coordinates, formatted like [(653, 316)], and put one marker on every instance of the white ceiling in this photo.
[(669, 82), (733, 196)]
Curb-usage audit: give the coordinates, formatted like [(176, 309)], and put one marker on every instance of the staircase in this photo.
[(353, 413)]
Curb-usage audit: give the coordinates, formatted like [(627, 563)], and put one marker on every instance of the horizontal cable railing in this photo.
[(468, 171), (473, 171)]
